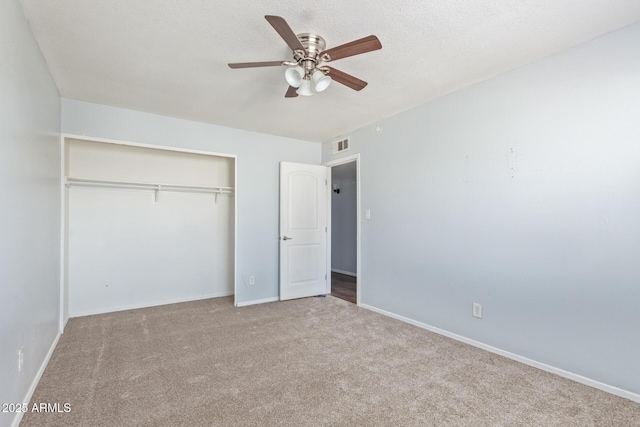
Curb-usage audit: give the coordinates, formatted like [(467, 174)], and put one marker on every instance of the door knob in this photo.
[(287, 238)]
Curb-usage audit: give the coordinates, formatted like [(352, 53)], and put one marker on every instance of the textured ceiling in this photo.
[(169, 57)]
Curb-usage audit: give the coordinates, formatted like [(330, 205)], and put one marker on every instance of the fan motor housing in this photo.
[(313, 43)]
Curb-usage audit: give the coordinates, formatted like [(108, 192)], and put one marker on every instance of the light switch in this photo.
[(367, 214)]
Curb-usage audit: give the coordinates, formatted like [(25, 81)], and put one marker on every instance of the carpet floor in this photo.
[(307, 362)]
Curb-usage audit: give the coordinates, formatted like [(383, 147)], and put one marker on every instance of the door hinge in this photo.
[(325, 277), (325, 182), (325, 229)]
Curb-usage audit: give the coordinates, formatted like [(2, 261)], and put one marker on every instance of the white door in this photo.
[(303, 230)]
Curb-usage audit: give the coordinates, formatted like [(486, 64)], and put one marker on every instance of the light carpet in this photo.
[(307, 362)]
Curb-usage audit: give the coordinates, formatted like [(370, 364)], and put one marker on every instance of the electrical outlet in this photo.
[(252, 280), (477, 310), (20, 359)]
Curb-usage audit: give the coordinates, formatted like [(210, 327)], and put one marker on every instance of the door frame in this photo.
[(330, 164)]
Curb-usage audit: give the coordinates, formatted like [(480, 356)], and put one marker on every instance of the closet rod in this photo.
[(146, 186)]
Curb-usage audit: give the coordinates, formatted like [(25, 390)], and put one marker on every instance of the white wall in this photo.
[(30, 212), (128, 251), (258, 158), (344, 219), (521, 193)]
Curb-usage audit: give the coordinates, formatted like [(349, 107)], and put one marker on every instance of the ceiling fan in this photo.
[(306, 74)]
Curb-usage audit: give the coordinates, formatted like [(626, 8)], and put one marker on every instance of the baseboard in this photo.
[(27, 398), (346, 273), (257, 301), (548, 368), (153, 304)]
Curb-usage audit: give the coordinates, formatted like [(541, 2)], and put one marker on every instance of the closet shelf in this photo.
[(84, 182)]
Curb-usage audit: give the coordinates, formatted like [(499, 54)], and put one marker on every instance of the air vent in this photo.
[(340, 146)]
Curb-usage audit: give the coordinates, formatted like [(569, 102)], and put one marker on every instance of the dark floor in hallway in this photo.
[(343, 287)]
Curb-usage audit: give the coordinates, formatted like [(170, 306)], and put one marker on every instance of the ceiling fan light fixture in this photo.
[(294, 75), (305, 73), (320, 81), (306, 88)]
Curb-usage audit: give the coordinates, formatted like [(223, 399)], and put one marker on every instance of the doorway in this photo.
[(345, 280)]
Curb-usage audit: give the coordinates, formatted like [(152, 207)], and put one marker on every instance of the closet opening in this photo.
[(144, 226)]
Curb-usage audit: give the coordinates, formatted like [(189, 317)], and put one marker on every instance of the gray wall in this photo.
[(258, 158), (343, 219), (521, 193), (30, 212)]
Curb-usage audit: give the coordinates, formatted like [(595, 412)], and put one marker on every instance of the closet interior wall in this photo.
[(130, 247)]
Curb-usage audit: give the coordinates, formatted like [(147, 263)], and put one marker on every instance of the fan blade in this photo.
[(346, 79), (280, 25), (356, 47), (256, 64), (291, 92)]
